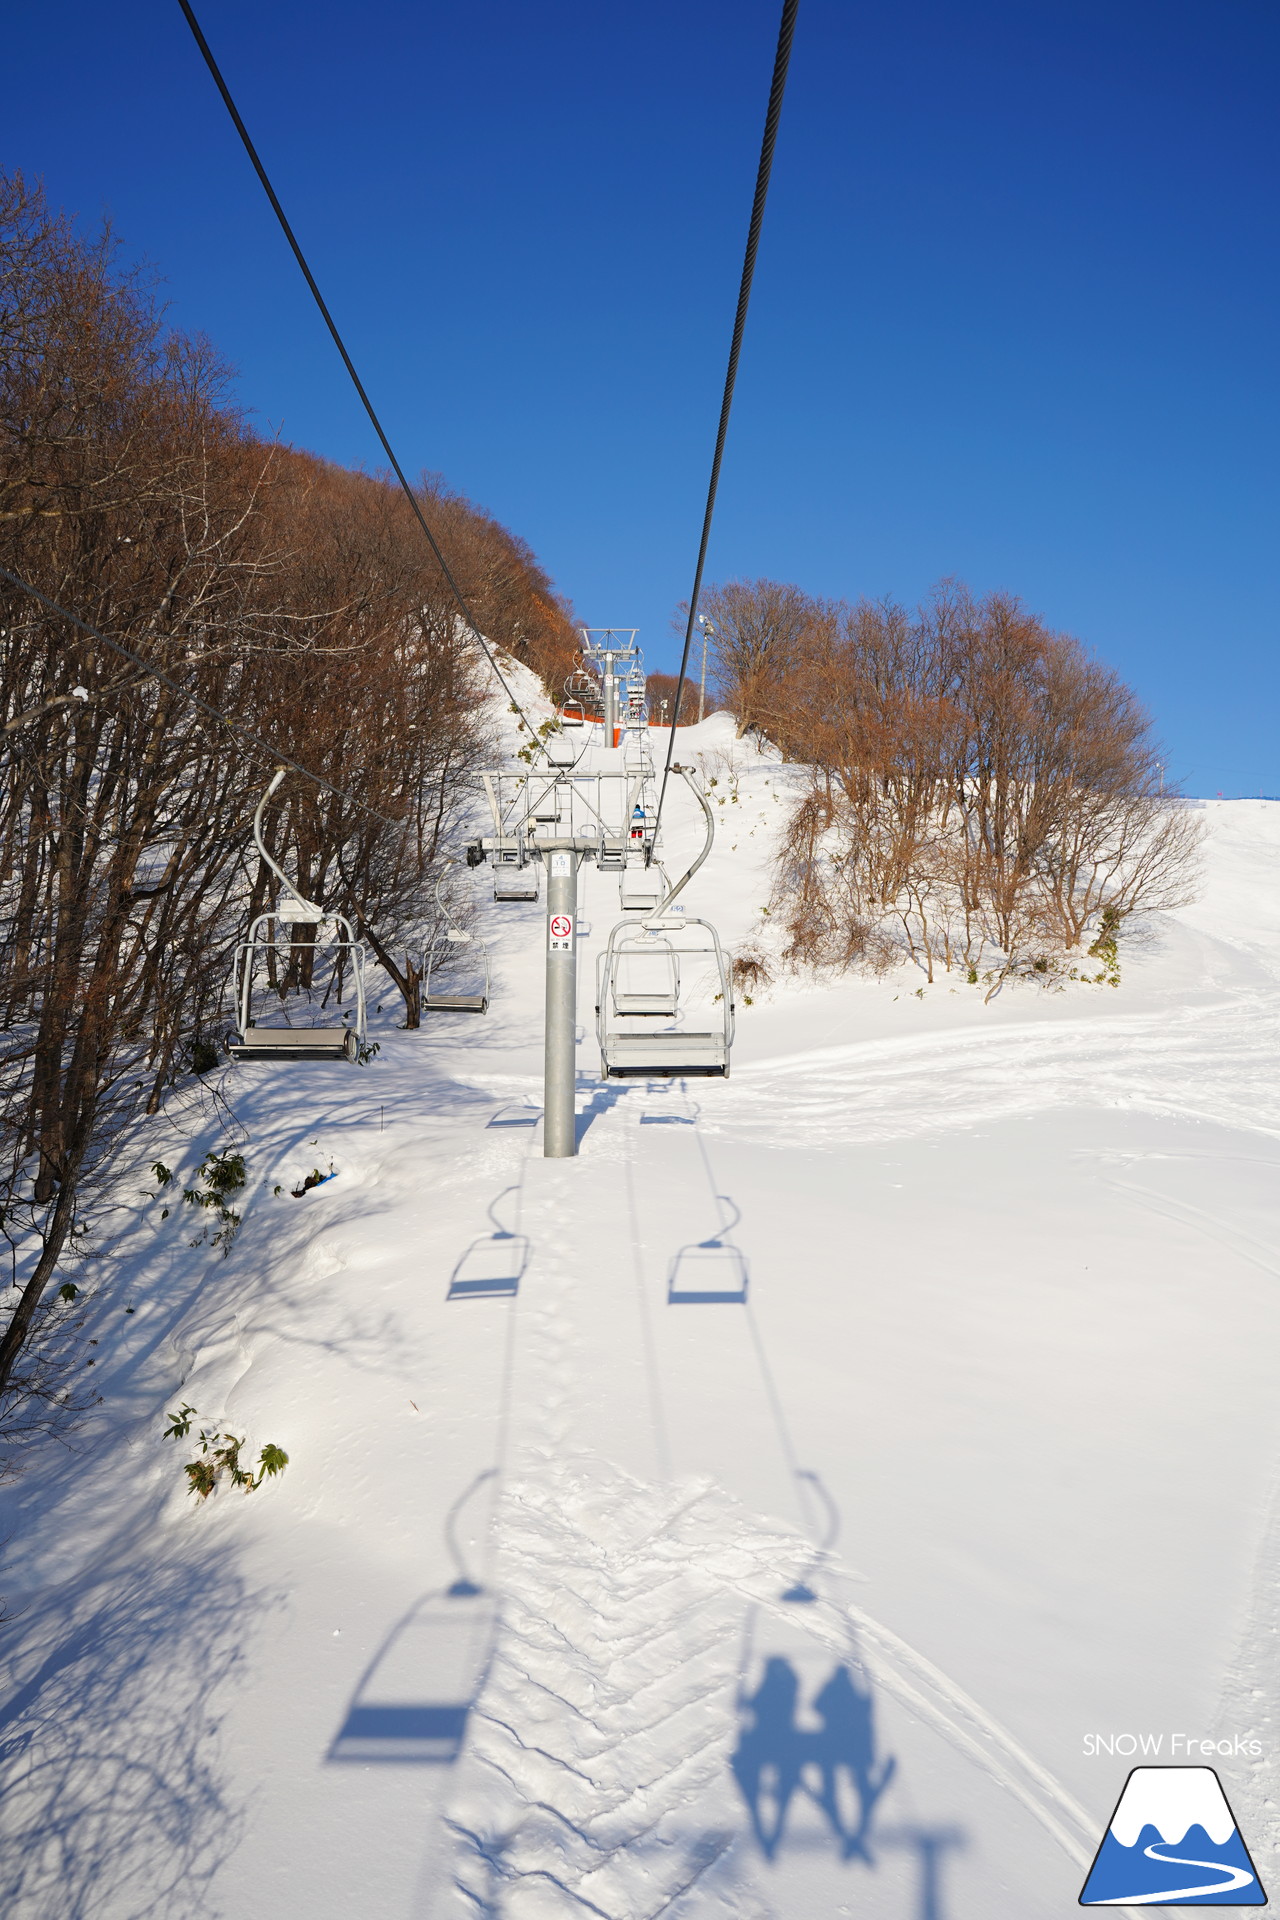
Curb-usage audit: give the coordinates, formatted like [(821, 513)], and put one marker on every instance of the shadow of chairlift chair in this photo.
[(475, 999), (253, 1040), (491, 1268), (414, 1699), (707, 1273)]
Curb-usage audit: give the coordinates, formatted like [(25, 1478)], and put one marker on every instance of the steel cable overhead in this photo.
[(347, 361), (786, 33), (150, 672)]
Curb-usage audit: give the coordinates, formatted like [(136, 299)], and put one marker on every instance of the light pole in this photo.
[(707, 628)]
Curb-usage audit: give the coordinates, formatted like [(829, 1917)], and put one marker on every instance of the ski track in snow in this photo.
[(1209, 1062), (595, 1779), (1213, 1063)]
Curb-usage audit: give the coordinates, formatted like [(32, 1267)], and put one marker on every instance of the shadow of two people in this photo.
[(834, 1764)]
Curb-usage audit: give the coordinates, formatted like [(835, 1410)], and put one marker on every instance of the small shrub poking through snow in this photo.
[(219, 1457), (223, 1175)]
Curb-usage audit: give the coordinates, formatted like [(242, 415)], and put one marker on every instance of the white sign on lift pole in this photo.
[(560, 932)]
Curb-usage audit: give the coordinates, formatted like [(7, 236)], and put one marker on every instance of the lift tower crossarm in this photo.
[(519, 828)]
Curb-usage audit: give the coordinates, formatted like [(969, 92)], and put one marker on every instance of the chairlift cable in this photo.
[(347, 361), (782, 58), (150, 672)]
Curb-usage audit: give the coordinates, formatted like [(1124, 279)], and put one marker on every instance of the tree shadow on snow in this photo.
[(111, 1793)]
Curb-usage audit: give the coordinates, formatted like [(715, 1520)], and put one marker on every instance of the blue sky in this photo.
[(1015, 312)]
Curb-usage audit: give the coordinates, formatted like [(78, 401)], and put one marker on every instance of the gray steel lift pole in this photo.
[(559, 1133), (610, 690)]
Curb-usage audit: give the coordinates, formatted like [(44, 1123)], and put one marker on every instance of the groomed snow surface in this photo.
[(586, 1594)]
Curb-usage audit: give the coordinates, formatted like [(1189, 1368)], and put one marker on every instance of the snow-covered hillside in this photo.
[(585, 1594)]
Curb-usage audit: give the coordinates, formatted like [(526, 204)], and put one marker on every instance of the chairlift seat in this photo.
[(295, 1043), (270, 939), (674, 1052), (514, 882)]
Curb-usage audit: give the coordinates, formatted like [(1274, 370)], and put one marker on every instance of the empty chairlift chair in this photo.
[(642, 889), (304, 977), (514, 879), (663, 1000), (455, 946), (578, 690), (561, 749)]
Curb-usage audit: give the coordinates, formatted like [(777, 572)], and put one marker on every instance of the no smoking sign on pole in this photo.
[(560, 933)]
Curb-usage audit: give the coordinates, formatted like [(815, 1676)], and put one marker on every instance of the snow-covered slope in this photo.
[(582, 1597)]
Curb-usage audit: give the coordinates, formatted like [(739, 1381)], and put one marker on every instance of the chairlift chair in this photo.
[(636, 712), (573, 714), (664, 1002), (449, 935), (514, 879), (641, 888), (560, 750), (254, 1039)]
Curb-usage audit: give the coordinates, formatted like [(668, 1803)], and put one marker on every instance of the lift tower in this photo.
[(557, 818), (610, 653)]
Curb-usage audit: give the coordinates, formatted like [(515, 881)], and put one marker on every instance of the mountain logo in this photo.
[(1172, 1842)]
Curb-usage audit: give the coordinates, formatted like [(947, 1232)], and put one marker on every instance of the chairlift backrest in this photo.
[(646, 980), (641, 889)]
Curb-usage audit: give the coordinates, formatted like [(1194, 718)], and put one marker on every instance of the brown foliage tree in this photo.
[(295, 598), (984, 793)]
